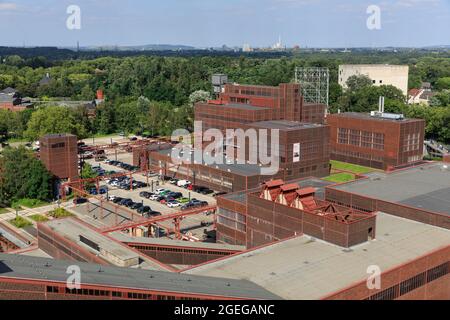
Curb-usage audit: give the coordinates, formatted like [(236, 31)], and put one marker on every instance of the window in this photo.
[(411, 284)]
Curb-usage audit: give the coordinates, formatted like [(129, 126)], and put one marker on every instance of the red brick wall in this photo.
[(437, 289)]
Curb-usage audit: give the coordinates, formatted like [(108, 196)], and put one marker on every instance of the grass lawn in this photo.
[(60, 213), (30, 203), (3, 210), (38, 218), (20, 222), (350, 167), (340, 177)]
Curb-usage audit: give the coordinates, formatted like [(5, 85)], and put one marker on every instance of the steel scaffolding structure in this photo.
[(315, 84)]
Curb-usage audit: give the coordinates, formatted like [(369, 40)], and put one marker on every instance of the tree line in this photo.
[(151, 93)]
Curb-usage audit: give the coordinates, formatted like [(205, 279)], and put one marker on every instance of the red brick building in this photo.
[(238, 105), (279, 210), (376, 141), (59, 153)]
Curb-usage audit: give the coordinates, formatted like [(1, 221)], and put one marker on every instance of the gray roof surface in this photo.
[(284, 125), (303, 268), (426, 187), (367, 116), (241, 169), (71, 229), (19, 266), (240, 106)]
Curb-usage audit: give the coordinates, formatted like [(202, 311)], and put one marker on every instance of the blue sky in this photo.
[(312, 23)]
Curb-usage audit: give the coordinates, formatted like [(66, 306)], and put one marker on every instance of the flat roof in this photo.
[(285, 125), (424, 187), (71, 229), (36, 268), (238, 106), (304, 268), (240, 169), (175, 243), (367, 116)]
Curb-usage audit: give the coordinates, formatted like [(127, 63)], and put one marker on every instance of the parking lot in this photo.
[(110, 214)]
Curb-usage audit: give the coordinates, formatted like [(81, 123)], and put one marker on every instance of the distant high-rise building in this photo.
[(279, 45), (246, 48)]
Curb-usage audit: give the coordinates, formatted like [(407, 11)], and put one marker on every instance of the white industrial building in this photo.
[(380, 74)]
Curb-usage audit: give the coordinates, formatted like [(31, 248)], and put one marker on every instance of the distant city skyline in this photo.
[(213, 23)]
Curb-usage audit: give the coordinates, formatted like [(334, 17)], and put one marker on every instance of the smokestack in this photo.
[(381, 105)]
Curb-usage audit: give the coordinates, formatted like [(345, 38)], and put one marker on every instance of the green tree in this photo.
[(358, 82), (54, 120), (23, 176)]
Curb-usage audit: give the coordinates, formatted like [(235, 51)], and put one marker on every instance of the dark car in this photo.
[(154, 213), (144, 209), (206, 191), (187, 206), (175, 195), (80, 200), (130, 204), (124, 202), (144, 194), (103, 190), (136, 205), (117, 200)]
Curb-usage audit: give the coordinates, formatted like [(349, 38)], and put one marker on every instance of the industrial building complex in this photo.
[(235, 232)]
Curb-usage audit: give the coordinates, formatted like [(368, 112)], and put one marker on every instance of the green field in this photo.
[(20, 222), (3, 210), (340, 177), (38, 218), (30, 203), (350, 167)]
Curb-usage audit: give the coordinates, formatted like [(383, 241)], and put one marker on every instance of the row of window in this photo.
[(358, 138), (114, 294), (412, 283), (182, 250)]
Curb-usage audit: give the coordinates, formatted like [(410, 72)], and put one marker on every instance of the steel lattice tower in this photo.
[(315, 84)]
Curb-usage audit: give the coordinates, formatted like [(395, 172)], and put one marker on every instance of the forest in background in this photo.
[(152, 93)]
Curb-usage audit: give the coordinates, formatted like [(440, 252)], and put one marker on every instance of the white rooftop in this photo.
[(302, 268)]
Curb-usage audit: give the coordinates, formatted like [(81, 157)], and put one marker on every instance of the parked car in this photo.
[(159, 190), (182, 183), (173, 181), (183, 200), (130, 204), (153, 214), (117, 199), (103, 190), (173, 204), (187, 206), (144, 194), (136, 205), (124, 202), (79, 201), (154, 197), (144, 210)]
